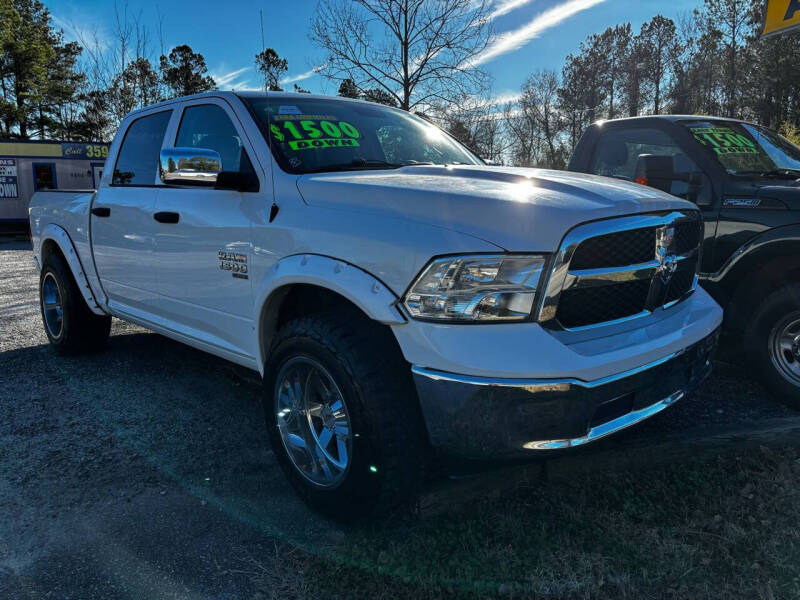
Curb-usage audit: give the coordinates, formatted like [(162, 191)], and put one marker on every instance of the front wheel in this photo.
[(342, 415), (774, 336)]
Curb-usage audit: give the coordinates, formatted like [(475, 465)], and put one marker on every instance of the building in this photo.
[(28, 166)]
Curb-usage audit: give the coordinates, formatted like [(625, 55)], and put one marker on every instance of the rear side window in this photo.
[(137, 162), (617, 154), (208, 126)]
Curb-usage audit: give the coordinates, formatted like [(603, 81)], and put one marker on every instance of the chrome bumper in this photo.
[(474, 417)]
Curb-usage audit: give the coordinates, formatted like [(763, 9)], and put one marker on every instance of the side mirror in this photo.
[(190, 166), (656, 171)]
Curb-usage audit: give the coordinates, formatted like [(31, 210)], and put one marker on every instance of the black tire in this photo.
[(80, 331), (776, 312), (387, 433)]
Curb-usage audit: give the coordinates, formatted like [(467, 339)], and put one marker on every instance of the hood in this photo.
[(516, 208)]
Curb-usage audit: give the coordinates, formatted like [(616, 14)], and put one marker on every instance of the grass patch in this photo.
[(724, 528)]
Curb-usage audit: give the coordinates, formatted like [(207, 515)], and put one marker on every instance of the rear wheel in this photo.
[(69, 324), (342, 415), (775, 337)]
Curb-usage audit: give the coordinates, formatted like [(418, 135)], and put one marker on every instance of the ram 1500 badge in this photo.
[(402, 301)]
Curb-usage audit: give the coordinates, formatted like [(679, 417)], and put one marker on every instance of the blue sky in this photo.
[(533, 34)]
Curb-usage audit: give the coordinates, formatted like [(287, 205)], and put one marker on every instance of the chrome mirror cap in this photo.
[(189, 166)]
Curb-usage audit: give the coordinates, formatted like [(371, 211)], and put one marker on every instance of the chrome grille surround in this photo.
[(659, 270)]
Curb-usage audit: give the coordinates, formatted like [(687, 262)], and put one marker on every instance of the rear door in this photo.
[(122, 224), (203, 257)]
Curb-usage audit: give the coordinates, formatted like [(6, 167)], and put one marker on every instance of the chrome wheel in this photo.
[(313, 421), (784, 344), (51, 305)]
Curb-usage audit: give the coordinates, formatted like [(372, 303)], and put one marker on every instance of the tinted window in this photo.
[(617, 155), (137, 162), (208, 126)]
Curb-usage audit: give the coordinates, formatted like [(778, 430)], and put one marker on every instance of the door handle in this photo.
[(167, 217), (101, 211)]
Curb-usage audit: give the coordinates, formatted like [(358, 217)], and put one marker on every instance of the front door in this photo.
[(203, 259), (123, 228)]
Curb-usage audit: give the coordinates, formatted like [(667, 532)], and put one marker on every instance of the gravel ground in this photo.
[(144, 472)]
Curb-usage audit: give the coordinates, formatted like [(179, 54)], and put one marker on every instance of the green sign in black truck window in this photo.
[(745, 149)]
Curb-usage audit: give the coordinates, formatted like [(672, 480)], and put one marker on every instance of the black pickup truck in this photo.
[(746, 181)]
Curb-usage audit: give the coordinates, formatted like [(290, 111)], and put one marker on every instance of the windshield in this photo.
[(745, 149), (315, 135)]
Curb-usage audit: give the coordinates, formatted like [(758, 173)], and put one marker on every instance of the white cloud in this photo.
[(302, 76), (505, 98), (92, 36), (506, 6), (231, 78), (516, 39)]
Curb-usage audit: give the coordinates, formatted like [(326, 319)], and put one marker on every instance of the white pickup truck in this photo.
[(401, 299)]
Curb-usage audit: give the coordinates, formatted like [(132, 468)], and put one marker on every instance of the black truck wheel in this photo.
[(342, 415), (774, 337), (70, 326)]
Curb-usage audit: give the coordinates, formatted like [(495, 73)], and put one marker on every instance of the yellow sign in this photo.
[(780, 16), (27, 149)]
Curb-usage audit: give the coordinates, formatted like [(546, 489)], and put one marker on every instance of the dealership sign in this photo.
[(8, 178), (780, 16)]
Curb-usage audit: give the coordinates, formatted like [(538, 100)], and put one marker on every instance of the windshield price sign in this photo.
[(780, 16), (302, 132), (724, 140)]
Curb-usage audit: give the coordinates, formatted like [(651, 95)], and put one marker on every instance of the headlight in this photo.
[(476, 288)]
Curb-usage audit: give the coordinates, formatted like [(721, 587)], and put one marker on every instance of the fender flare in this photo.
[(61, 238), (760, 265), (769, 243), (364, 290)]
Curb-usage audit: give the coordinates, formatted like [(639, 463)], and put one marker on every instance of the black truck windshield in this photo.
[(316, 135), (746, 149)]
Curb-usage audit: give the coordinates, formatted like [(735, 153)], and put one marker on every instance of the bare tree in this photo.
[(475, 122), (423, 52), (539, 105)]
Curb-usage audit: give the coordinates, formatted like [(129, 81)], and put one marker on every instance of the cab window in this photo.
[(137, 162), (617, 154), (208, 126)]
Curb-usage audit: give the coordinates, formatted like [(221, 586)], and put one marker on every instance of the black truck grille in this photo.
[(586, 306), (682, 281), (688, 236), (619, 274), (616, 249)]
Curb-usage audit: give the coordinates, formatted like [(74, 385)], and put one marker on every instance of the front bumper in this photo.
[(485, 418)]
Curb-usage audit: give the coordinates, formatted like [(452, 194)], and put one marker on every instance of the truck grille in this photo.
[(615, 249), (622, 268)]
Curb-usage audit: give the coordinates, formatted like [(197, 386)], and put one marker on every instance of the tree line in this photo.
[(711, 62), (80, 90), (420, 56)]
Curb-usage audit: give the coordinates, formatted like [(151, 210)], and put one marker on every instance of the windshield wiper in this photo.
[(355, 165), (780, 173), (359, 164)]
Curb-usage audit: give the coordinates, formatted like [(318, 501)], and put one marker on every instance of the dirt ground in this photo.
[(145, 472)]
